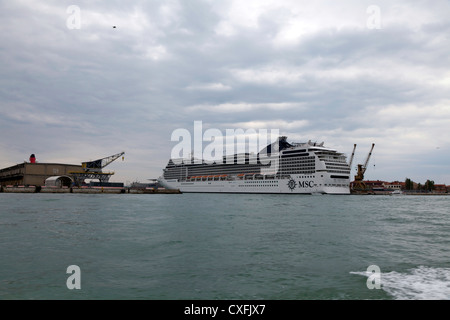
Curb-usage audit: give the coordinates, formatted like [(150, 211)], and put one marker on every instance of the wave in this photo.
[(421, 283)]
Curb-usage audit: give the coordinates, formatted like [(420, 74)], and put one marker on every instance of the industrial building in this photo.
[(35, 174), (38, 174)]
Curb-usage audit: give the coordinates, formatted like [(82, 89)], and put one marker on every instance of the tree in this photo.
[(409, 184), (429, 185)]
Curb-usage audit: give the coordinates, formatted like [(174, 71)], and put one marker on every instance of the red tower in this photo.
[(32, 158)]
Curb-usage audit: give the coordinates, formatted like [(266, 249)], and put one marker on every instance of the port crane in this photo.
[(98, 165), (359, 184), (93, 169), (351, 158)]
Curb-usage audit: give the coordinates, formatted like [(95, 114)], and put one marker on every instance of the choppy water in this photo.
[(220, 246)]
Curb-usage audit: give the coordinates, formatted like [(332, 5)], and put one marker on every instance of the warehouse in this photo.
[(35, 174)]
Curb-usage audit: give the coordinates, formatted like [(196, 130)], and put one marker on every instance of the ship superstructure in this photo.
[(280, 167)]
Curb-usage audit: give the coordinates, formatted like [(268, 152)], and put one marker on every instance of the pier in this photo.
[(86, 190)]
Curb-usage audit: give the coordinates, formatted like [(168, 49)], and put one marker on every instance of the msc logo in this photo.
[(301, 184), (292, 184), (306, 184)]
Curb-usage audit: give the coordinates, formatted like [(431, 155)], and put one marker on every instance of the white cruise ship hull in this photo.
[(294, 185)]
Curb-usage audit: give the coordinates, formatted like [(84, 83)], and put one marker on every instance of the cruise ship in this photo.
[(296, 168)]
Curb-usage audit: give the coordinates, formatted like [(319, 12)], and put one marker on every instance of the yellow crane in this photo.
[(359, 184)]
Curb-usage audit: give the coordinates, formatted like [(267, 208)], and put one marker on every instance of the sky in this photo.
[(83, 80)]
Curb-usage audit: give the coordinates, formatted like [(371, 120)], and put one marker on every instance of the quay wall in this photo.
[(84, 190)]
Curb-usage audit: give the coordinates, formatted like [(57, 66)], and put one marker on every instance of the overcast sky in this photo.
[(74, 89)]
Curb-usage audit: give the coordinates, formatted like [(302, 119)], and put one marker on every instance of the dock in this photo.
[(87, 190)]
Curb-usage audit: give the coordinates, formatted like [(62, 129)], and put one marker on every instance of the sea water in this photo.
[(224, 246)]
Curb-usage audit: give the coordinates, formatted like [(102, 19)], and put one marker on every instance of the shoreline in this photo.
[(127, 190), (405, 193)]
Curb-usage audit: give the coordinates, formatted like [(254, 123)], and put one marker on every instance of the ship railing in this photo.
[(216, 177), (283, 176), (241, 176), (254, 176), (249, 176)]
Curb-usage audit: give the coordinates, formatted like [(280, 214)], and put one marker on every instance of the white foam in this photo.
[(421, 283)]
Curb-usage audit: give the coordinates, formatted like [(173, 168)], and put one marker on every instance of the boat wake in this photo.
[(421, 283)]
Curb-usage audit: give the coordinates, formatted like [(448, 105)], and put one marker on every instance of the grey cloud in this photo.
[(129, 87)]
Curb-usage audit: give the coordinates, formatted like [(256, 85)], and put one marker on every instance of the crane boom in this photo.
[(99, 164), (368, 157), (108, 160), (351, 158)]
